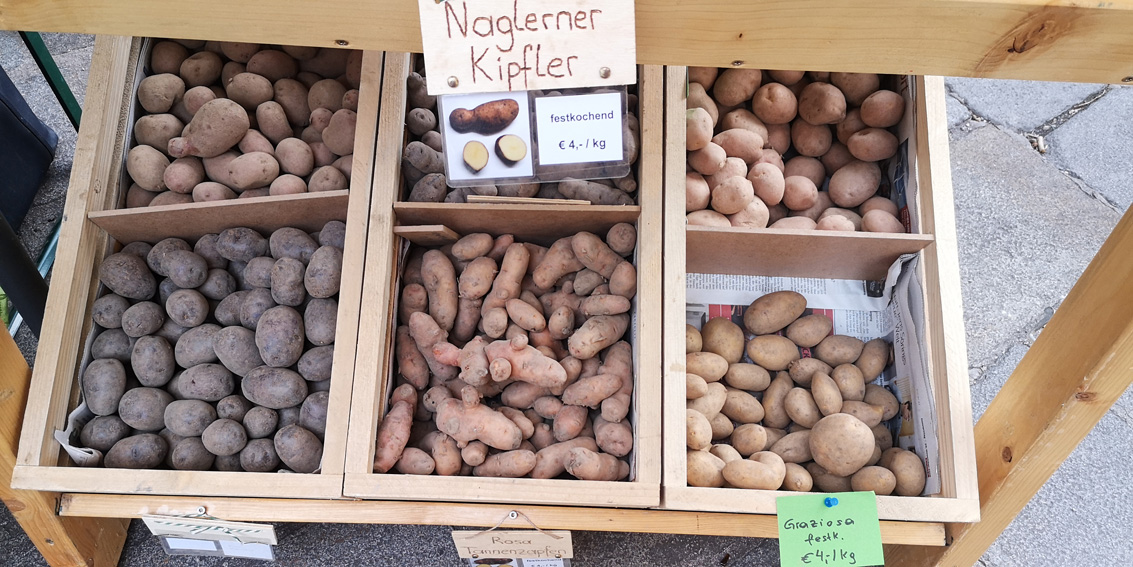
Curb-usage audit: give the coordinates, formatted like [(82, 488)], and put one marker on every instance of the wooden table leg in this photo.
[(79, 542), (1079, 366)]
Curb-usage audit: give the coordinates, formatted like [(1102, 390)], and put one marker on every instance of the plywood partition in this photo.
[(83, 245), (533, 222), (831, 255)]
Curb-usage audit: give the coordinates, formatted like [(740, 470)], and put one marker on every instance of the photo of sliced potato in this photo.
[(511, 149), (475, 156)]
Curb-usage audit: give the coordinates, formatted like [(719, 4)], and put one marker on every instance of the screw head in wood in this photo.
[(1128, 79), (341, 42), (737, 63), (453, 82), (604, 72)]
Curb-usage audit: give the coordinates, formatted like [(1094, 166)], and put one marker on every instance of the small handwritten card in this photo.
[(207, 529), (525, 544), (516, 45), (844, 534)]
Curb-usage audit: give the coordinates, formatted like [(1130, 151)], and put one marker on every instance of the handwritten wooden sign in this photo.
[(514, 45), (210, 529), (525, 544)]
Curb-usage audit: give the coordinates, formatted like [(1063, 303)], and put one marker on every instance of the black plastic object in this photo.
[(27, 147)]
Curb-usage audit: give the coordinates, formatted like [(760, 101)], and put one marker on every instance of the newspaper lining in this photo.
[(893, 310)]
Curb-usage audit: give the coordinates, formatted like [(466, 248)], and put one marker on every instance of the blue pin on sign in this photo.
[(830, 502)]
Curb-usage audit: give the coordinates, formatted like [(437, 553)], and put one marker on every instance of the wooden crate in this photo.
[(91, 230), (540, 223), (828, 255)]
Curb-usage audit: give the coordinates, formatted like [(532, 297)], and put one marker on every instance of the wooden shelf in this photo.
[(1051, 41)]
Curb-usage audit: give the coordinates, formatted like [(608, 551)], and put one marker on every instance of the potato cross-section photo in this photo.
[(475, 156), (511, 149)]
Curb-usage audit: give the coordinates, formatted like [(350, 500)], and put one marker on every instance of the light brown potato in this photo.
[(878, 480), (772, 352), (327, 178), (706, 76), (742, 407), (217, 127), (836, 157), (723, 337), (736, 86), (711, 402), (773, 311), (294, 157), (802, 408), (698, 128), (838, 349), (339, 134), (799, 193), (708, 218), (841, 444), (856, 86), (868, 414), (750, 377), (793, 447), (146, 166), (846, 216), (826, 394), (883, 109), (749, 438), (774, 103), (808, 167), (725, 453), (167, 56), (873, 359), (754, 215), (693, 340), (740, 143), (878, 203), (854, 183), (767, 182), (796, 478), (733, 167), (822, 103), (872, 144), (695, 387), (745, 473), (707, 365), (698, 431), (732, 196), (883, 437), (878, 220), (809, 330), (881, 397), (704, 469), (850, 382), (909, 471), (722, 427), (810, 139), (156, 130), (825, 481), (850, 126), (774, 399), (157, 93), (697, 192), (794, 223), (707, 160)]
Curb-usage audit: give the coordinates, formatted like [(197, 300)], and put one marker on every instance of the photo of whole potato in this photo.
[(487, 119)]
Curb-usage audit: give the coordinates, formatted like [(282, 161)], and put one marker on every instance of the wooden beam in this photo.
[(1079, 366), (454, 514), (78, 542), (1019, 39)]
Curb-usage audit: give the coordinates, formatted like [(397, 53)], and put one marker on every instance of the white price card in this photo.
[(210, 529), (579, 128)]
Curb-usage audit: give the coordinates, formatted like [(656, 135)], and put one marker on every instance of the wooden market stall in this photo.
[(1080, 360)]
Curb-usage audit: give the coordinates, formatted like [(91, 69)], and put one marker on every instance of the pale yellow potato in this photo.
[(723, 337), (841, 444), (772, 352), (809, 330)]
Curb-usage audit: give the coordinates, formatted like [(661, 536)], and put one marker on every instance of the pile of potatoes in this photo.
[(216, 355), (423, 164), (515, 371), (225, 120), (790, 149), (818, 424)]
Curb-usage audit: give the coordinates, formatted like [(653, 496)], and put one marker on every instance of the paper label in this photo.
[(515, 45), (212, 530), (845, 534), (527, 544), (579, 129), (461, 167)]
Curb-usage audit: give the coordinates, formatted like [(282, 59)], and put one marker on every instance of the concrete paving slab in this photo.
[(1097, 146), (1082, 516), (1019, 105), (17, 548), (1026, 232), (990, 381), (957, 112)]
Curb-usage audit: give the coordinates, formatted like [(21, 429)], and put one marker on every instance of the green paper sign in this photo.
[(844, 534)]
